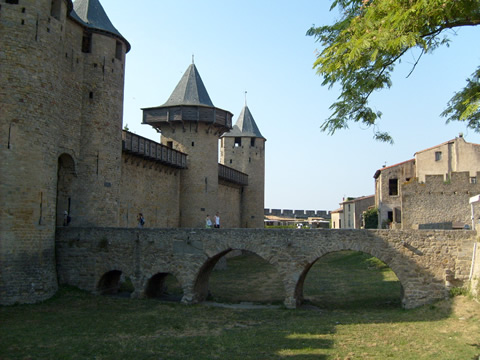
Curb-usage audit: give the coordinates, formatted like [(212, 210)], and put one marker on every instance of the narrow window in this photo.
[(252, 142), (193, 143), (118, 50), (438, 155), (90, 95), (170, 144), (238, 141), (87, 42), (473, 180), (56, 9), (393, 187)]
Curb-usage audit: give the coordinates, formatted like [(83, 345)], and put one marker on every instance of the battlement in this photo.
[(300, 214)]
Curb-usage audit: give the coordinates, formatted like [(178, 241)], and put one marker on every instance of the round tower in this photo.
[(46, 85), (190, 123), (243, 148)]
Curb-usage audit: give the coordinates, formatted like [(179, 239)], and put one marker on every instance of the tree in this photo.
[(370, 218), (360, 51)]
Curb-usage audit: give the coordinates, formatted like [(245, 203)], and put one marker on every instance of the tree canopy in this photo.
[(360, 51)]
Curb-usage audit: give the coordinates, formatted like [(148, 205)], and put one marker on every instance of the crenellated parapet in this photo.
[(439, 200)]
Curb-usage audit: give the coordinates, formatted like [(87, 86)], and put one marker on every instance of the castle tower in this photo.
[(61, 101), (243, 148), (190, 123)]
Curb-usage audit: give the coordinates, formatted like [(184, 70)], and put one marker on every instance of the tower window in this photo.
[(473, 180), (170, 144), (87, 42), (118, 50), (252, 142), (238, 141), (56, 9), (438, 155)]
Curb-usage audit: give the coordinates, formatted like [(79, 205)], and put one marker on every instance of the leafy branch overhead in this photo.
[(360, 51)]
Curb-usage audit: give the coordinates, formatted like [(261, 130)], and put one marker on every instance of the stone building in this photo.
[(64, 152), (413, 194), (350, 213)]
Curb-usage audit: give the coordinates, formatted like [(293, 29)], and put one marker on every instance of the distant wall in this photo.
[(229, 201), (298, 213), (437, 201), (151, 189)]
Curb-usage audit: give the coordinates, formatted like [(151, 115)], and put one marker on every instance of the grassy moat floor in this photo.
[(353, 312)]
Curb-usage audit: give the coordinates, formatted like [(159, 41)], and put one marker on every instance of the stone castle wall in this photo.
[(437, 201), (55, 102), (151, 189)]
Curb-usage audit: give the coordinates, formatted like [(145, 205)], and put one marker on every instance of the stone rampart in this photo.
[(427, 263), (438, 201)]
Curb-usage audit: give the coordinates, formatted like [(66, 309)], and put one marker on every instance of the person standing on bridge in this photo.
[(141, 220), (217, 221), (208, 222)]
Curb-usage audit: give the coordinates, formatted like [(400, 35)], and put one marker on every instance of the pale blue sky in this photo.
[(260, 47)]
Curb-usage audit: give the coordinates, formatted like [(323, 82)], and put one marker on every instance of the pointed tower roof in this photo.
[(189, 102), (91, 14), (245, 126), (190, 90)]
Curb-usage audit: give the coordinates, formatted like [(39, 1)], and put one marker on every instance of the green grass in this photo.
[(77, 325)]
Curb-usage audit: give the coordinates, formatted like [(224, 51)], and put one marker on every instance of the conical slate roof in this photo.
[(190, 90), (91, 14), (245, 126)]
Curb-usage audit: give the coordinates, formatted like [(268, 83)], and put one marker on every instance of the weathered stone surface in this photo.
[(427, 263)]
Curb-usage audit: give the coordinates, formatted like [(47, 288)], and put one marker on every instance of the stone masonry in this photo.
[(427, 263)]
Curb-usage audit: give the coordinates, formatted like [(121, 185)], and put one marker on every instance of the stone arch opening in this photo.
[(65, 182), (164, 286), (115, 282), (349, 279), (243, 276)]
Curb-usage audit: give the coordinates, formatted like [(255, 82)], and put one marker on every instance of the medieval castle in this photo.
[(62, 147)]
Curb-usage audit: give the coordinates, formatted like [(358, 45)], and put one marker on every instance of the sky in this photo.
[(260, 47)]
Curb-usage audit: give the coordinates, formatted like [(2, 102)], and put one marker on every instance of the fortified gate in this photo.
[(427, 263)]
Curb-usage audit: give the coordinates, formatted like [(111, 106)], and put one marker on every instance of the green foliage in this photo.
[(360, 51), (371, 218), (458, 291), (126, 127)]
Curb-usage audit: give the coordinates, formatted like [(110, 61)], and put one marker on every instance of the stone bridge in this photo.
[(426, 262)]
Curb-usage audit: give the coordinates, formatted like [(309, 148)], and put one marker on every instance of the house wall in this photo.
[(456, 155), (436, 201), (385, 202)]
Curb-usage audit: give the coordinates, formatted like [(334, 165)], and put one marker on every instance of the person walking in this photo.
[(217, 221)]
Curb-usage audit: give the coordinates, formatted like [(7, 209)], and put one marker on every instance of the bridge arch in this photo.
[(156, 286), (202, 278), (360, 287)]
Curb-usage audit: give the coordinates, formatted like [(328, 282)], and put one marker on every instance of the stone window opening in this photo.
[(393, 187), (438, 155), (252, 142), (473, 180), (118, 50), (87, 42), (238, 142), (56, 9)]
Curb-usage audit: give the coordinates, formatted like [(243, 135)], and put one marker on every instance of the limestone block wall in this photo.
[(437, 201), (229, 204), (151, 189), (55, 102)]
